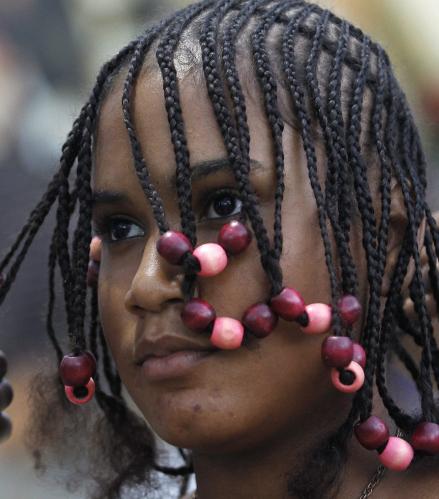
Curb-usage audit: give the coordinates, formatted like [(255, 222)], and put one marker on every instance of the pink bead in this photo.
[(92, 273), (81, 394), (425, 438), (227, 333), (397, 455), (288, 304), (96, 249), (356, 373), (337, 351), (260, 319), (76, 370), (350, 309), (359, 355), (320, 318), (212, 258), (172, 246), (372, 433), (234, 237), (197, 314)]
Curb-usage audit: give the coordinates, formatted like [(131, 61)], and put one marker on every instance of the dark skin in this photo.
[(250, 415)]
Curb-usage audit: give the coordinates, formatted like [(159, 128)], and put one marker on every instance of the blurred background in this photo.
[(50, 51)]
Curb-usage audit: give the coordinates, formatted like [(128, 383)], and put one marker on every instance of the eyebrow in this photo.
[(198, 171)]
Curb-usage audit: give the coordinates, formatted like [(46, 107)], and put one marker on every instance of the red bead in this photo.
[(288, 304), (337, 351), (397, 455), (197, 314), (92, 273), (260, 319), (172, 246), (234, 237), (80, 395), (350, 309), (76, 370), (359, 355), (3, 365), (372, 433), (5, 427), (425, 438), (6, 395)]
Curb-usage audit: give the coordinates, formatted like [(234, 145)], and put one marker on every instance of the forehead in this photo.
[(113, 155)]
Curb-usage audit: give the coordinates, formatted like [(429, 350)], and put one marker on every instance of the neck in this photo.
[(275, 470)]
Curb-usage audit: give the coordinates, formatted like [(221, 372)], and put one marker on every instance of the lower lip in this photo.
[(174, 365)]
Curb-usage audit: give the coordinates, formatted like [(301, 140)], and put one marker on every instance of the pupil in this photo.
[(225, 205), (120, 230)]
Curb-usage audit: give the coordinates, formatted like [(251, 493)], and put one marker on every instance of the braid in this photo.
[(298, 98), (334, 159), (239, 163)]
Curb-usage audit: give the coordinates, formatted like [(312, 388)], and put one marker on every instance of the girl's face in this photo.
[(228, 400)]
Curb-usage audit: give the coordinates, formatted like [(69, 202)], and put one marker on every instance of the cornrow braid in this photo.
[(298, 98), (239, 163)]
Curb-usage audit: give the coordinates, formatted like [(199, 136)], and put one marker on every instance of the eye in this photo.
[(119, 229), (223, 204)]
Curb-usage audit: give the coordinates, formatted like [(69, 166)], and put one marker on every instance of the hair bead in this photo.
[(197, 314), (372, 433), (358, 378), (212, 258), (260, 319), (5, 427), (227, 333), (337, 351), (6, 395), (96, 248), (319, 317), (80, 395), (288, 304), (234, 237), (350, 309), (76, 369), (3, 365), (172, 246), (425, 438), (397, 455), (359, 355)]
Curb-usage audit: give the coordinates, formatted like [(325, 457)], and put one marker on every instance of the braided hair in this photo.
[(335, 86)]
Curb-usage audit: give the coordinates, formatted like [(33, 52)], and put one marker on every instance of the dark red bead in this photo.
[(92, 273), (3, 365), (234, 237), (372, 433), (359, 355), (172, 246), (288, 304), (5, 427), (337, 351), (76, 370), (260, 319), (197, 314), (425, 438), (6, 395), (350, 309)]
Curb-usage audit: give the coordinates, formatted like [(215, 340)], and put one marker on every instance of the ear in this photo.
[(397, 227)]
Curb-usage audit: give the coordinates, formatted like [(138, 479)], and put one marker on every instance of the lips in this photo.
[(169, 356)]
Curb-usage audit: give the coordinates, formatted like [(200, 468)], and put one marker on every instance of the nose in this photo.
[(156, 283)]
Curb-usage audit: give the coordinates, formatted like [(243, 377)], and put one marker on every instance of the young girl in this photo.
[(247, 190)]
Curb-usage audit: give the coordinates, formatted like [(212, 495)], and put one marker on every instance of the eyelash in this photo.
[(105, 226)]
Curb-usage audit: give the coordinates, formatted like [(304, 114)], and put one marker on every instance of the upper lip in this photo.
[(165, 345)]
